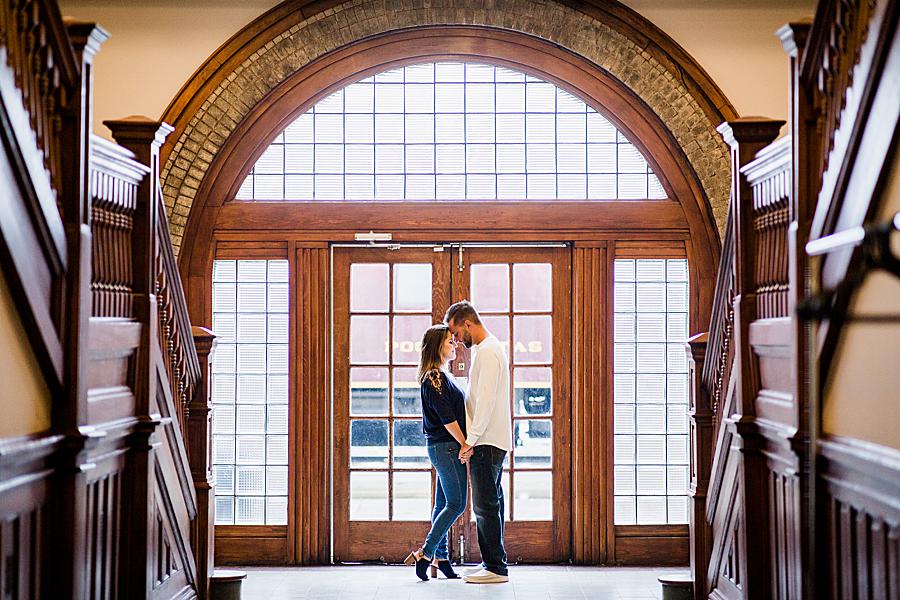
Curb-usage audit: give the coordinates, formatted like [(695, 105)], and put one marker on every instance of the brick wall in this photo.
[(658, 85)]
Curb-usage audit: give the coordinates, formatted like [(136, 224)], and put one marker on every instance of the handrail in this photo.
[(175, 336), (715, 368), (838, 33)]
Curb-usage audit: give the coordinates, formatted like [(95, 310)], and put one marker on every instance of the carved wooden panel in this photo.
[(21, 549), (785, 506), (590, 455), (769, 176), (104, 523), (113, 185), (859, 509), (311, 411)]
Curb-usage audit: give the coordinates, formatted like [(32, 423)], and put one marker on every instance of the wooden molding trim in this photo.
[(876, 468), (591, 461), (310, 446), (22, 450), (859, 519)]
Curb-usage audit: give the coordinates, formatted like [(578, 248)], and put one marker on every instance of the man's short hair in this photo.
[(460, 312)]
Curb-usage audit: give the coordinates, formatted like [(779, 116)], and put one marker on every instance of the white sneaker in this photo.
[(472, 570), (485, 576)]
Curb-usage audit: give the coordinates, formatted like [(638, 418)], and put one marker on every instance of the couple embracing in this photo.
[(472, 428)]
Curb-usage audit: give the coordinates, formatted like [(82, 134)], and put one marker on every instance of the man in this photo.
[(489, 436)]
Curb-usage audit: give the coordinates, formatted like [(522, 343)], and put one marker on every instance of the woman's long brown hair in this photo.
[(430, 363)]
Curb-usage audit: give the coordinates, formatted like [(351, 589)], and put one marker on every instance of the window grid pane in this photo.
[(390, 476), (451, 131), (650, 383), (250, 404)]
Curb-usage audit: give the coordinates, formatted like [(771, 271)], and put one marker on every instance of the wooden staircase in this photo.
[(772, 513), (114, 500)]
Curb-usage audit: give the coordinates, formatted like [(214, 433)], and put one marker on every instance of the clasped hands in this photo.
[(465, 453)]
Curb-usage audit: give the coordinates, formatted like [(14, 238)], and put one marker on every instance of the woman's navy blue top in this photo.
[(442, 407)]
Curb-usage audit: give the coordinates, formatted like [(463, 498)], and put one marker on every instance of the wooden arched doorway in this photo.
[(596, 235)]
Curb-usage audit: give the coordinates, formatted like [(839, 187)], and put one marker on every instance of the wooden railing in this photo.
[(840, 30), (717, 366), (175, 337), (41, 98), (845, 101), (769, 177), (762, 495), (751, 285), (112, 500), (186, 398), (113, 188), (38, 50)]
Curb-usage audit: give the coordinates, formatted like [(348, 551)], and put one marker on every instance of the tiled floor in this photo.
[(400, 583)]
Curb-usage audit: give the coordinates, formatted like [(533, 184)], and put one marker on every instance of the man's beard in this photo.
[(467, 340)]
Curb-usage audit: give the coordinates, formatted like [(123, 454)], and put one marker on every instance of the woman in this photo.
[(444, 422)]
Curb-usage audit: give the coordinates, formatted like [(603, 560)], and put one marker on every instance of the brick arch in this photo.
[(263, 57)]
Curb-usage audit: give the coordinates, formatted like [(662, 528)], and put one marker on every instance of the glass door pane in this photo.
[(384, 301), (514, 291)]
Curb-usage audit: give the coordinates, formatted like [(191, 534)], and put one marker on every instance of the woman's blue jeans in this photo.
[(449, 497)]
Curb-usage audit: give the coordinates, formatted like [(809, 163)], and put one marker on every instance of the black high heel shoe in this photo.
[(421, 561), (444, 565)]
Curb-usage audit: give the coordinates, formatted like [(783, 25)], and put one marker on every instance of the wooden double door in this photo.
[(384, 299)]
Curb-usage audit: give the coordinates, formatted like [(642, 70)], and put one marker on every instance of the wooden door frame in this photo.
[(410, 531), (561, 259)]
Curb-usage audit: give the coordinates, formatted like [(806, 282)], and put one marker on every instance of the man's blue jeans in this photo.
[(449, 497), (486, 469)]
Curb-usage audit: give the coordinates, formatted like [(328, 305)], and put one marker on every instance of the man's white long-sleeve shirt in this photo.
[(488, 420)]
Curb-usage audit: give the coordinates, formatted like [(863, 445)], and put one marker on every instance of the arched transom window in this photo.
[(451, 131)]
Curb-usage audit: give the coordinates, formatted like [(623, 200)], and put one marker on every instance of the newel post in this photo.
[(199, 455), (700, 416), (143, 138), (746, 137), (65, 575)]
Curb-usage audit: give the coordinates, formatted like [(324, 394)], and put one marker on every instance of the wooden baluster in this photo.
[(702, 444), (199, 419)]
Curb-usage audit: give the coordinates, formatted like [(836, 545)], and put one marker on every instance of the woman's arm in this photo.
[(456, 432)]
